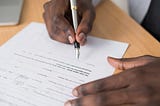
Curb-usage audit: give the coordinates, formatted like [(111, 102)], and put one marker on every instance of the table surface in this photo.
[(111, 23)]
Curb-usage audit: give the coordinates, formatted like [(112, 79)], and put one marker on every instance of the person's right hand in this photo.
[(58, 19)]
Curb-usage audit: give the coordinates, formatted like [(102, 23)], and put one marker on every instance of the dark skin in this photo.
[(58, 19), (138, 85)]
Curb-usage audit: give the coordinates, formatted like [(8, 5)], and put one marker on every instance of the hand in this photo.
[(139, 85), (58, 19)]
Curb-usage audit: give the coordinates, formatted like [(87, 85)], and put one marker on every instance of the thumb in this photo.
[(85, 26), (128, 63)]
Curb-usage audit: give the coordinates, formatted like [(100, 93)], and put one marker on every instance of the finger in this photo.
[(58, 25), (81, 39), (115, 98), (114, 82), (60, 29), (63, 29), (128, 63), (85, 25)]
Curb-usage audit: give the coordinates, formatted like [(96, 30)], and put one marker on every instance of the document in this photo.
[(37, 71)]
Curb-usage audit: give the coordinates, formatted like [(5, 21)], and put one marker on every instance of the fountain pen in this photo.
[(75, 25)]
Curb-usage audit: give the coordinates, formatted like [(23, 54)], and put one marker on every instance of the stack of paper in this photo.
[(37, 71)]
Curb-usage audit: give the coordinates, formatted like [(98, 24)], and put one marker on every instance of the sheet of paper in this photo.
[(37, 71)]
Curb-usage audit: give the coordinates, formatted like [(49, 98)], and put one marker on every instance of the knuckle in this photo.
[(57, 20), (138, 73), (121, 81), (101, 99), (53, 33), (99, 85), (82, 90), (58, 34), (121, 64), (67, 29), (146, 95), (77, 102)]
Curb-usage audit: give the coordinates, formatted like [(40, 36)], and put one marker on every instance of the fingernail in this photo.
[(70, 39), (68, 104), (75, 93), (82, 35), (109, 57)]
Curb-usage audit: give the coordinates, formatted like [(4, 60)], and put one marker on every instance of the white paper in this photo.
[(37, 71)]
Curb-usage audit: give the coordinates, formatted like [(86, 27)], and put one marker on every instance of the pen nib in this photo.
[(77, 53)]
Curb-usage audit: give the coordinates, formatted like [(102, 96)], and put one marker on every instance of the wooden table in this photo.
[(110, 23)]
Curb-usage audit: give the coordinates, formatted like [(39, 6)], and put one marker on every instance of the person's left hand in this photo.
[(139, 85)]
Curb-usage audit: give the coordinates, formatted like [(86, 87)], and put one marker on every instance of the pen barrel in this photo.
[(74, 14)]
